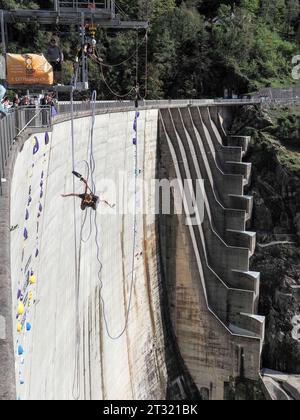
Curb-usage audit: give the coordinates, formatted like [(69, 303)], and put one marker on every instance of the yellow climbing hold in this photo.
[(21, 308), (19, 327), (32, 280), (30, 295)]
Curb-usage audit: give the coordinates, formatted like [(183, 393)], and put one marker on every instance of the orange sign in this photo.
[(28, 69)]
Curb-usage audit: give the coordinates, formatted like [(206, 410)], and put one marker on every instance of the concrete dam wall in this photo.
[(123, 303)]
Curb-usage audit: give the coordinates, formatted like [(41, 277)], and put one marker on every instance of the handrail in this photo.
[(15, 123)]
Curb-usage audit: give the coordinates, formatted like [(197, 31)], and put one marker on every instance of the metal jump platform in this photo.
[(72, 12)]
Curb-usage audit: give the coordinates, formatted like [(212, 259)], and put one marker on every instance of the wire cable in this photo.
[(99, 274)]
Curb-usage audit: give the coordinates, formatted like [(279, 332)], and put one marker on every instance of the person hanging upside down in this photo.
[(88, 198)]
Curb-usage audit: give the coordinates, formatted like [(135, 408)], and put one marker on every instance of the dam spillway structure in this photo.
[(128, 303)]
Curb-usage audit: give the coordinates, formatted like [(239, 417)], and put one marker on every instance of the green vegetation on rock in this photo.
[(197, 48)]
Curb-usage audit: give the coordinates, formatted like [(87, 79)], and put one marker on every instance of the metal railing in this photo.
[(83, 107), (14, 124), (84, 4)]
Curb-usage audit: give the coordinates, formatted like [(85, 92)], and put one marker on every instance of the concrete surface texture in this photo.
[(219, 334), (119, 304), (67, 352)]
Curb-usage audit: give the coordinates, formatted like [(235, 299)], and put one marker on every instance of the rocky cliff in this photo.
[(275, 155)]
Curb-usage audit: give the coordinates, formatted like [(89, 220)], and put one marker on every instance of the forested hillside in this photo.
[(196, 47)]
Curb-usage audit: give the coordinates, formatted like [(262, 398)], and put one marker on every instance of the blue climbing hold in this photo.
[(20, 350), (28, 326), (134, 141), (19, 294), (40, 208), (36, 253), (41, 194), (42, 175), (46, 138), (29, 201), (25, 234), (41, 184), (22, 382), (27, 215), (36, 147), (29, 192)]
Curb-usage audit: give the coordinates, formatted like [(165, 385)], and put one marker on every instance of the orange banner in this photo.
[(28, 69)]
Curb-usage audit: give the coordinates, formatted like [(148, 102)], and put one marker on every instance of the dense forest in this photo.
[(196, 48)]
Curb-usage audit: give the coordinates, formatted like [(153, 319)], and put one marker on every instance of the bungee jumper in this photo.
[(88, 198)]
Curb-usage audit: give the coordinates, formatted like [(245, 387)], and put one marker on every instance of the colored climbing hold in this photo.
[(134, 142), (20, 350), (22, 382), (25, 234), (36, 146), (46, 138), (36, 253), (30, 295), (42, 174), (27, 214), (29, 192), (28, 326), (40, 208), (19, 294), (41, 194), (32, 279), (29, 201), (19, 327), (21, 308), (41, 184)]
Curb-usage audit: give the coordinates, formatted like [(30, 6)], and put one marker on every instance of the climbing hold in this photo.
[(36, 146), (19, 327), (41, 194), (46, 138), (22, 382), (32, 279), (134, 142), (29, 192), (20, 350), (36, 253), (21, 308), (41, 184), (28, 326), (25, 234), (27, 214), (29, 201), (19, 294), (30, 295), (42, 175), (40, 208)]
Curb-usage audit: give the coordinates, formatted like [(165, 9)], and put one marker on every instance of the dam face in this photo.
[(124, 303)]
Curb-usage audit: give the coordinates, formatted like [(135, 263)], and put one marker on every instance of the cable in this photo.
[(127, 59), (111, 90), (77, 268), (92, 162)]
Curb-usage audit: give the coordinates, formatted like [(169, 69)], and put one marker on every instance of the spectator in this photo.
[(16, 101), (3, 110), (55, 57), (25, 101), (6, 103)]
